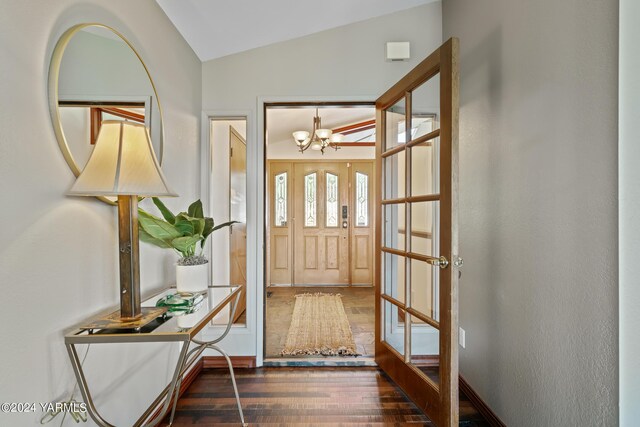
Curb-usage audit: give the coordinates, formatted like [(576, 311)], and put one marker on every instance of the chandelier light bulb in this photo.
[(316, 145), (336, 138), (324, 134), (301, 137)]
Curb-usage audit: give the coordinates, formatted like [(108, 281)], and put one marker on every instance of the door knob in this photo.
[(441, 262)]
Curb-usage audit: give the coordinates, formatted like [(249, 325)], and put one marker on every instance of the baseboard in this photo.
[(480, 404), (210, 362)]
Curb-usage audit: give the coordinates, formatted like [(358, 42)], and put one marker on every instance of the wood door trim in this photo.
[(212, 362)]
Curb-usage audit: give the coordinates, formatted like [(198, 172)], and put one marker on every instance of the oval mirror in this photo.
[(95, 75)]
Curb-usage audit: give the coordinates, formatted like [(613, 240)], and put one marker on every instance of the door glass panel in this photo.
[(393, 275), (395, 124), (424, 168), (425, 349), (394, 226), (424, 288), (310, 202), (362, 200), (394, 178), (394, 326), (332, 200), (280, 199), (424, 228), (425, 107)]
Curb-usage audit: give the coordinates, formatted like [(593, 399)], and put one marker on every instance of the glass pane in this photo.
[(424, 228), (425, 107), (395, 124), (332, 200), (394, 178), (425, 349), (393, 275), (394, 228), (393, 326), (424, 288), (310, 200), (280, 199), (362, 200), (425, 168)]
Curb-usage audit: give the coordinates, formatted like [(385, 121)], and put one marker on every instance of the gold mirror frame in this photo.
[(54, 108)]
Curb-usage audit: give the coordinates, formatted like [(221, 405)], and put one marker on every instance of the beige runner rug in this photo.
[(319, 325)]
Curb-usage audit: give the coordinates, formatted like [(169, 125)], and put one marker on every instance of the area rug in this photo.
[(319, 326)]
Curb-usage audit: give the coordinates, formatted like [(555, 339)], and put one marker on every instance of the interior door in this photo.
[(321, 233), (238, 212), (416, 234)]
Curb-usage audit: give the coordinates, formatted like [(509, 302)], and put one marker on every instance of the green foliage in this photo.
[(181, 232)]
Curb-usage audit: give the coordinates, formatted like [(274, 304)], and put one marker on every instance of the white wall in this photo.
[(629, 230), (290, 70), (538, 209), (58, 262)]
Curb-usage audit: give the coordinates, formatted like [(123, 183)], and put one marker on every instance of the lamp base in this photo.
[(129, 257), (116, 321)]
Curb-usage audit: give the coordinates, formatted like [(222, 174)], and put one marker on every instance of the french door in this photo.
[(416, 234)]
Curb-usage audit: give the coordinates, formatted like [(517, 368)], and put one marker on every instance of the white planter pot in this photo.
[(192, 278)]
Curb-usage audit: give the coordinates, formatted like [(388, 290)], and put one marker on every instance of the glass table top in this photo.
[(183, 319)]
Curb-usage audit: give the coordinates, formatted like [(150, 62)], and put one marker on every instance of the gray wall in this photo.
[(538, 207), (629, 159), (354, 68), (58, 262)]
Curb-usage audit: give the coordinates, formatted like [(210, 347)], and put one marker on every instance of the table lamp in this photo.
[(123, 164)]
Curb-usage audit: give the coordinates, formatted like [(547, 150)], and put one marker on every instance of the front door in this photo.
[(416, 234), (321, 230)]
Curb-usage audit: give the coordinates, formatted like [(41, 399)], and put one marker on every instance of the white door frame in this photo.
[(241, 339), (259, 182)]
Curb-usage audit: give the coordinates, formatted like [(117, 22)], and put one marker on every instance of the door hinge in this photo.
[(231, 152)]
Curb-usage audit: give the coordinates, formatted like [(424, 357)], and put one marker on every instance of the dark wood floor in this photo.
[(304, 396)]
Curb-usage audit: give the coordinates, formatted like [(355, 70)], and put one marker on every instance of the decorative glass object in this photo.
[(181, 303), (310, 200), (362, 199), (332, 200), (280, 201)]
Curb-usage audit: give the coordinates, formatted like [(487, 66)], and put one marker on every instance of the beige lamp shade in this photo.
[(122, 163)]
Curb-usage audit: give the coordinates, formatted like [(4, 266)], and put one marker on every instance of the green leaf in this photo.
[(185, 226), (195, 209), (186, 244), (189, 225), (208, 229), (224, 224), (166, 213), (147, 238), (158, 228)]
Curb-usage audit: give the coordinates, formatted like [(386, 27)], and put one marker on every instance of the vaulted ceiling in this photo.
[(216, 28)]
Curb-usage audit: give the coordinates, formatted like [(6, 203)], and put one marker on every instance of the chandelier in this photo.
[(318, 139)]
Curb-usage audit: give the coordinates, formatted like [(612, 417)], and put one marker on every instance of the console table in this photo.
[(183, 329)]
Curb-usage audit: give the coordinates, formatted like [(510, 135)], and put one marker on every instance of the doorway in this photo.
[(319, 216)]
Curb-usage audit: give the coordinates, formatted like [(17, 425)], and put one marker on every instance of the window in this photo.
[(280, 201), (332, 200), (362, 200), (310, 200)]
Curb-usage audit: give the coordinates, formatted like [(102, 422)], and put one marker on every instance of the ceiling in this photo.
[(282, 122), (216, 28)]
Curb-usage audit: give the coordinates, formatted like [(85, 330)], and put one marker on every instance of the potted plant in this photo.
[(186, 233)]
